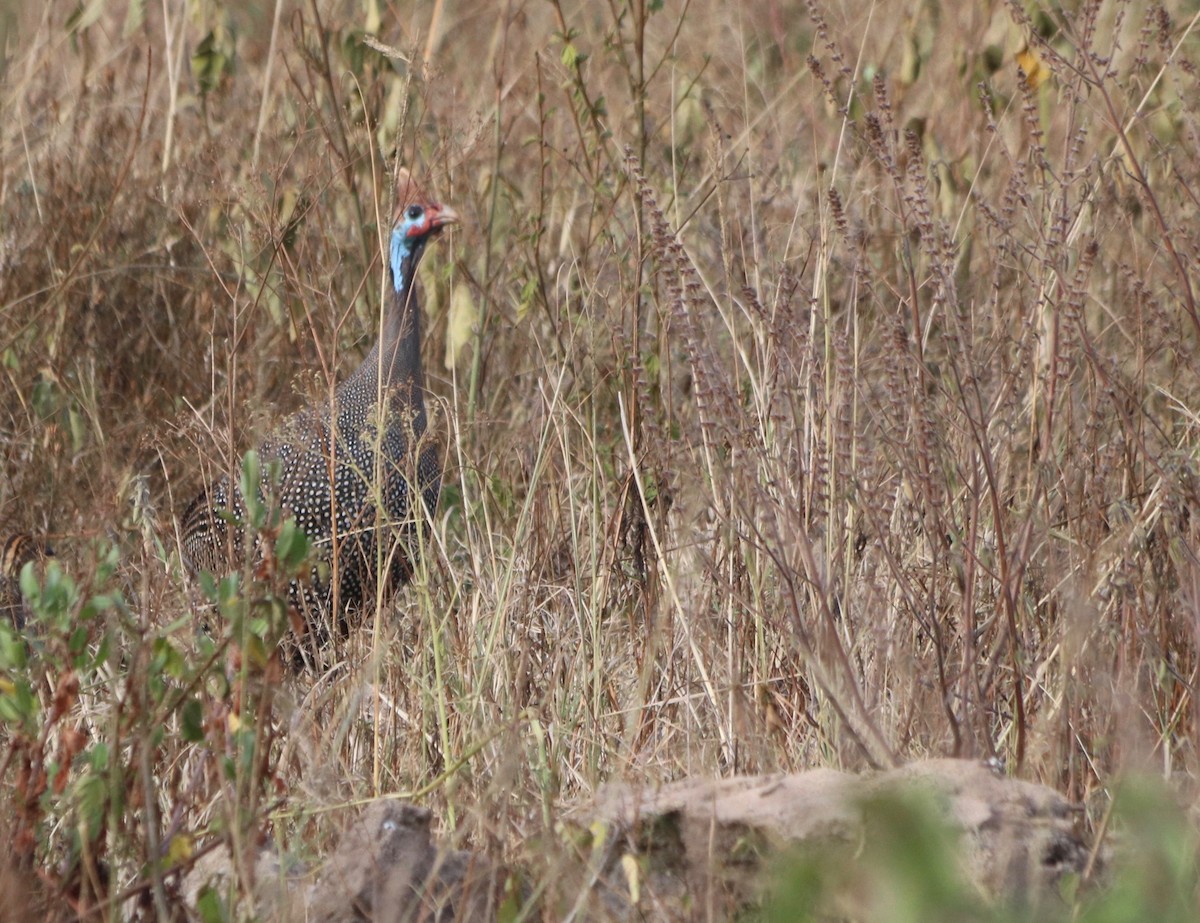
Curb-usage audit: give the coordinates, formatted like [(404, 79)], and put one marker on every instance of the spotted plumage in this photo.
[(18, 550), (348, 473)]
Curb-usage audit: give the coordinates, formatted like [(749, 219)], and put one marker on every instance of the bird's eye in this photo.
[(414, 212)]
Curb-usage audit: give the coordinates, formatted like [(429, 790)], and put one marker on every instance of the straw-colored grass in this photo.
[(819, 384)]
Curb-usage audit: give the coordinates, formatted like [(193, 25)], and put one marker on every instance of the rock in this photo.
[(1020, 837), (692, 849), (387, 869), (278, 892), (703, 843)]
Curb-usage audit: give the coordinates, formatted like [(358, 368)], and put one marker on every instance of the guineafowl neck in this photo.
[(400, 342)]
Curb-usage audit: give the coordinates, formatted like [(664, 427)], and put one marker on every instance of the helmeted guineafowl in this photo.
[(348, 472), (18, 550)]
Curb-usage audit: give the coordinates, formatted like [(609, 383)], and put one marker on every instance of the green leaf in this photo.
[(84, 16), (46, 399), (12, 649), (211, 907), (135, 15), (525, 301), (191, 718), (291, 547), (77, 643), (169, 659), (251, 481), (208, 585), (93, 803), (98, 757), (55, 598), (106, 564), (230, 602), (101, 602), (75, 423), (209, 63), (102, 652), (31, 589), (19, 705)]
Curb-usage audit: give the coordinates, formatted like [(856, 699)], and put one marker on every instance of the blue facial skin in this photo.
[(408, 238)]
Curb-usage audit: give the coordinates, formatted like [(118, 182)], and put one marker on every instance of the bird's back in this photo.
[(16, 551), (347, 481)]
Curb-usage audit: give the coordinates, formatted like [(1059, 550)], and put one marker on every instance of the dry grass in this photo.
[(815, 391)]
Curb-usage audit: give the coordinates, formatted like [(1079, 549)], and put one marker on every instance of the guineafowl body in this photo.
[(348, 470), (17, 550)]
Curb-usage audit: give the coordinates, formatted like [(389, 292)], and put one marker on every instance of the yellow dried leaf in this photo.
[(1035, 72), (632, 877), (460, 326), (180, 850)]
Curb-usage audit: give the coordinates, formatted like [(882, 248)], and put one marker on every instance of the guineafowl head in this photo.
[(418, 220)]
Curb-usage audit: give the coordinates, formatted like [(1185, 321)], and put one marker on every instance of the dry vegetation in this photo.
[(817, 388)]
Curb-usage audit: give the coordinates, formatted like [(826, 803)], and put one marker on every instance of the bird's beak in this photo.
[(442, 216)]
